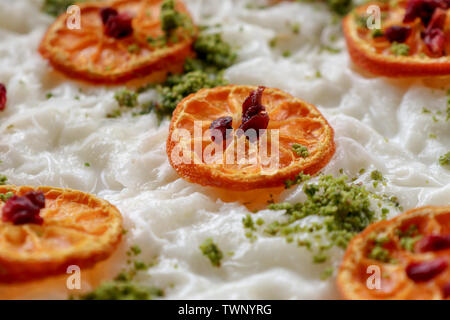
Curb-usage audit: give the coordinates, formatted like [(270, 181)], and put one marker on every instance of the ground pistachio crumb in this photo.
[(179, 86), (171, 20), (135, 250), (133, 48), (255, 6), (360, 20), (212, 252), (114, 114), (3, 179), (126, 98), (213, 56), (248, 223), (399, 49), (260, 221), (122, 290), (320, 258), (344, 207), (123, 286), (140, 265), (295, 28), (376, 175), (377, 33), (444, 160), (327, 273), (298, 179), (380, 254), (204, 71), (211, 49), (409, 237), (300, 150), (378, 251), (56, 7), (5, 196), (286, 53)]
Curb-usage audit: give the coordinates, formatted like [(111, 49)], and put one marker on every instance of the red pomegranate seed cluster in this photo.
[(221, 124), (2, 97), (24, 209), (432, 13), (116, 25), (254, 114), (433, 36), (423, 9)]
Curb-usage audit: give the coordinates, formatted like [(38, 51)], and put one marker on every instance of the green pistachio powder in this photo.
[(408, 239), (56, 7), (343, 207), (213, 56), (212, 252), (124, 286), (300, 150)]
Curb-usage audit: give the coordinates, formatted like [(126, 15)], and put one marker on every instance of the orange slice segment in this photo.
[(78, 229), (241, 165), (88, 54), (371, 50), (412, 254)]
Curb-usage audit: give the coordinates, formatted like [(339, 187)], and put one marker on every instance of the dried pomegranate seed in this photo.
[(116, 25), (438, 19), (107, 12), (2, 97), (434, 242), (435, 41), (446, 290), (25, 209), (423, 9), (258, 122), (36, 198), (397, 33), (221, 124), (427, 270), (252, 104), (254, 115)]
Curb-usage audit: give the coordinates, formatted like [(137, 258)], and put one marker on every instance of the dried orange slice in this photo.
[(417, 47), (291, 122), (89, 54), (411, 253), (77, 229)]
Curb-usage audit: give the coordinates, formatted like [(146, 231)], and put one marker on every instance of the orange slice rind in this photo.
[(88, 54), (79, 229), (356, 275), (294, 121)]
